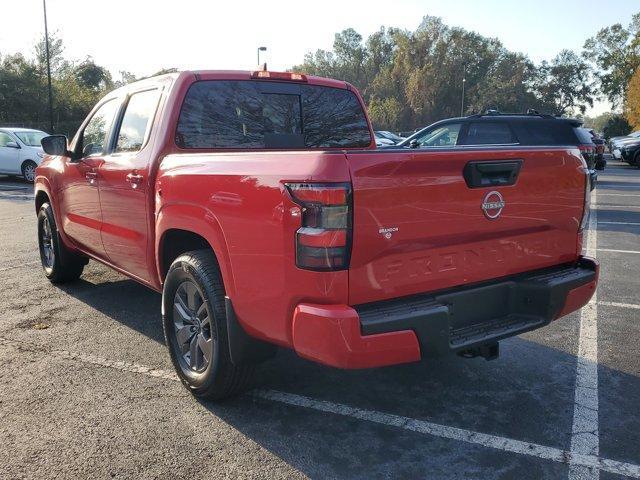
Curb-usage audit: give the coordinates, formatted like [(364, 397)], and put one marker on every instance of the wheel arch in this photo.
[(41, 197), (181, 228)]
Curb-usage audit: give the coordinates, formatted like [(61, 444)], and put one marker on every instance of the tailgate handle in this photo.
[(490, 174)]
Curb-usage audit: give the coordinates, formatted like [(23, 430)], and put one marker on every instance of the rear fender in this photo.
[(201, 221)]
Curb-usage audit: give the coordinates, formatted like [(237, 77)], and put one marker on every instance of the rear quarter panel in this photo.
[(238, 202)]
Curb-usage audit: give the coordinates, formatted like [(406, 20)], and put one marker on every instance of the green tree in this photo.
[(598, 123), (93, 76), (56, 54), (564, 83), (412, 78), (616, 126), (615, 50)]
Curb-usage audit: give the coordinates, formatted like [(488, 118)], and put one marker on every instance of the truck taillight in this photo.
[(587, 200), (323, 242), (588, 153)]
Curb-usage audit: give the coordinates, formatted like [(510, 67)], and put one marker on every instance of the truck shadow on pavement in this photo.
[(124, 301), (527, 394)]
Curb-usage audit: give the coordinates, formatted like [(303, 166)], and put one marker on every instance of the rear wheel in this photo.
[(29, 170), (195, 329), (58, 262)]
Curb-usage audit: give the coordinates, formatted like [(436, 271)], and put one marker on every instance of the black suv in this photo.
[(497, 129)]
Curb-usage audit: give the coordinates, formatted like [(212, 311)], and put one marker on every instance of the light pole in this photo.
[(46, 46), (464, 80), (261, 49)]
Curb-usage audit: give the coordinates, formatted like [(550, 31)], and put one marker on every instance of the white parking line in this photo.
[(621, 305), (589, 463), (92, 359), (585, 439), (613, 250), (10, 196), (4, 269), (619, 194), (618, 223), (602, 207), (419, 426), (15, 187)]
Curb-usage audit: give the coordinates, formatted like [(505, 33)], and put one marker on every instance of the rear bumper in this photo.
[(407, 329)]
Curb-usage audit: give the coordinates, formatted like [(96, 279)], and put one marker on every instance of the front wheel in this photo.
[(58, 262), (29, 171), (195, 329)]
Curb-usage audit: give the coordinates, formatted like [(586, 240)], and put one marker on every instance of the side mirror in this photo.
[(12, 145), (55, 145), (414, 143)]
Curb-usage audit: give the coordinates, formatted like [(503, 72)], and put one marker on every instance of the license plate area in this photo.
[(479, 305)]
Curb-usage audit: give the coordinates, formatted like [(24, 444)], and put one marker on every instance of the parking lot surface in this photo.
[(87, 388)]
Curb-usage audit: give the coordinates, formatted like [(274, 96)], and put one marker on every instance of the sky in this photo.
[(144, 36)]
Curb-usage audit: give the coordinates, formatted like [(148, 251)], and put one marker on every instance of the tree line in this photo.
[(408, 78), (77, 86), (412, 78)]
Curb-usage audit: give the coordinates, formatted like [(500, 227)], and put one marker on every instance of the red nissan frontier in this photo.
[(258, 204)]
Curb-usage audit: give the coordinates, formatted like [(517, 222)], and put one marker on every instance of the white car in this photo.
[(20, 151)]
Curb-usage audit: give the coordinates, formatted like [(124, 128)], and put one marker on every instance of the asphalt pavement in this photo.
[(87, 388)]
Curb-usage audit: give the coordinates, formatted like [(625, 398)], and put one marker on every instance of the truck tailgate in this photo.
[(421, 224)]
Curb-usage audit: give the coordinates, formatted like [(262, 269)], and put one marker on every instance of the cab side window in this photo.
[(94, 136), (137, 121), (443, 136)]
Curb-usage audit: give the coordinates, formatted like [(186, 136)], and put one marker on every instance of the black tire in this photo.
[(29, 170), (194, 288), (60, 265)]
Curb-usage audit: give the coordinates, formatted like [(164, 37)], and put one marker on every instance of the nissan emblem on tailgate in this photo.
[(492, 205)]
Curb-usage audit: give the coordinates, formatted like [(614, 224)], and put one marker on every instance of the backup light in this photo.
[(323, 242)]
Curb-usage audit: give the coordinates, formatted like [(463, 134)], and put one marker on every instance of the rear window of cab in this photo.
[(246, 114)]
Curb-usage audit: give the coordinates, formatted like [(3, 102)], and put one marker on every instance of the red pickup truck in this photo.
[(259, 206)]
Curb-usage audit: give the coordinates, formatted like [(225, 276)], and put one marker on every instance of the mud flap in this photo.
[(243, 348)]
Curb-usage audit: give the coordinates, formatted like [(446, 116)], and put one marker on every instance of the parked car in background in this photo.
[(629, 151), (20, 151), (497, 129), (615, 142), (308, 237), (389, 136), (599, 142), (382, 141)]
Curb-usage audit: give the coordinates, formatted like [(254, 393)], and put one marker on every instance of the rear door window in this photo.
[(254, 115), (488, 133), (136, 121)]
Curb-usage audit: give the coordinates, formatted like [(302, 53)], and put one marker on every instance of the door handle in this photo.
[(480, 174), (134, 179), (91, 176)]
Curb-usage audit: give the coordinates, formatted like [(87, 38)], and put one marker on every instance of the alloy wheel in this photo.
[(30, 172), (48, 254), (192, 327)]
